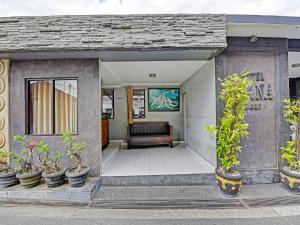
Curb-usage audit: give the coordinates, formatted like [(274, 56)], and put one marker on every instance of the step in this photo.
[(160, 180), (61, 195), (204, 196)]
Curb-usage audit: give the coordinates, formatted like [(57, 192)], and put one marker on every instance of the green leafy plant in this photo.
[(4, 157), (290, 152), (74, 148), (232, 125), (27, 163), (4, 166), (49, 164)]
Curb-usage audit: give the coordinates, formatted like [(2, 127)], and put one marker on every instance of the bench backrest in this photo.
[(149, 128)]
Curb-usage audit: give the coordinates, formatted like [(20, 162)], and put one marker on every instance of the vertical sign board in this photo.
[(260, 149), (4, 105)]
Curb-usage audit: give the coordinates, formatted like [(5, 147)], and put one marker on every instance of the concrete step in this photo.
[(158, 192), (205, 196), (160, 180), (57, 195)]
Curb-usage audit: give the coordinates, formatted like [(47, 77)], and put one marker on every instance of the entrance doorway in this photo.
[(140, 78)]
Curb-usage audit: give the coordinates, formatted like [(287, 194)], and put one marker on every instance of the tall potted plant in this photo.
[(29, 175), (290, 173), (232, 127), (7, 174), (53, 174), (77, 175)]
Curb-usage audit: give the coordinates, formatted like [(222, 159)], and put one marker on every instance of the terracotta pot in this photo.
[(77, 179), (8, 179), (229, 184), (30, 180), (290, 179), (55, 179)]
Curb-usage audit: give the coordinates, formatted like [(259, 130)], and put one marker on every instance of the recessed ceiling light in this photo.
[(152, 75), (295, 65)]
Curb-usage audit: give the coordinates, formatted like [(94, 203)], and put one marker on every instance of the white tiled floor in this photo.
[(156, 161)]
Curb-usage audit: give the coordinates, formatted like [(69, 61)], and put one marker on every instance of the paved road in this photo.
[(44, 215)]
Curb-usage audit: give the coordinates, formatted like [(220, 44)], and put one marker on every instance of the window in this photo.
[(51, 106), (294, 88), (108, 103), (138, 104)]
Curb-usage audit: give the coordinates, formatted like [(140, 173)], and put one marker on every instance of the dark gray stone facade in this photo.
[(112, 32), (260, 158), (89, 109)]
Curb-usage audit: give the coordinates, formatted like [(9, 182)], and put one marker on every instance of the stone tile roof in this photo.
[(112, 32)]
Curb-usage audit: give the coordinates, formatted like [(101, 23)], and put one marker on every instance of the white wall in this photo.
[(201, 111), (118, 125)]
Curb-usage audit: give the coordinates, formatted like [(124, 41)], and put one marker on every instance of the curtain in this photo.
[(129, 103), (41, 108), (65, 106)]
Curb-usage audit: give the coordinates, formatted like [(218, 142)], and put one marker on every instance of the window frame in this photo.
[(27, 97), (113, 102), (144, 90)]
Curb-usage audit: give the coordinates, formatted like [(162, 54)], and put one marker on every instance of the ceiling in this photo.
[(294, 58), (137, 73)]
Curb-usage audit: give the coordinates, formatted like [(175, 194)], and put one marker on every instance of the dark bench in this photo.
[(141, 134)]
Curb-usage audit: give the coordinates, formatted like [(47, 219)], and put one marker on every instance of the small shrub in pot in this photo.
[(77, 175), (232, 127), (53, 174), (7, 174), (29, 175), (290, 172)]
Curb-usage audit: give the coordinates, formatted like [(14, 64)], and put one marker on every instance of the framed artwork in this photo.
[(163, 99)]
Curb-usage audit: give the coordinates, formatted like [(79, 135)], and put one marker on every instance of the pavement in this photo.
[(265, 204), (153, 197), (46, 215)]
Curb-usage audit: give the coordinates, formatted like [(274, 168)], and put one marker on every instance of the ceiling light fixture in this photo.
[(152, 75), (253, 39), (295, 65)]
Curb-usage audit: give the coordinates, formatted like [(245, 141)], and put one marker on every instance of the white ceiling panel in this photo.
[(137, 73)]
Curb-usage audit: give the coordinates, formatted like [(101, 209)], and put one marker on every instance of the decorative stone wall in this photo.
[(112, 32), (4, 105)]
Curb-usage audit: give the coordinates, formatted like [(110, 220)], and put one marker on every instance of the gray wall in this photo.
[(87, 72), (260, 157), (200, 99), (118, 125)]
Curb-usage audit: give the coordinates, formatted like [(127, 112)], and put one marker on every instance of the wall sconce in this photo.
[(253, 39)]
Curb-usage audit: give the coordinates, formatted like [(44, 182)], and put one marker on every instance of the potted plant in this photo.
[(77, 175), (53, 174), (29, 175), (7, 174), (232, 127), (290, 173)]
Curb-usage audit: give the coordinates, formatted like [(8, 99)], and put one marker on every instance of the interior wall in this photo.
[(201, 111), (118, 125)]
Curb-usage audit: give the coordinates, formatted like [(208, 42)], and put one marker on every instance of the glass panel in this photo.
[(40, 107), (297, 88), (138, 104), (108, 103), (65, 106)]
